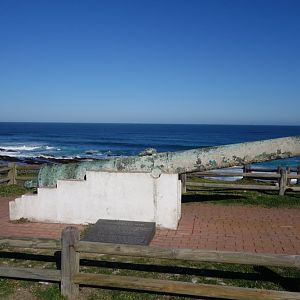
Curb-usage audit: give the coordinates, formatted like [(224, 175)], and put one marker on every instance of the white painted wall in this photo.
[(105, 195)]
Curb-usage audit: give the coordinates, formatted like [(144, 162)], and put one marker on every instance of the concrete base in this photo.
[(105, 195)]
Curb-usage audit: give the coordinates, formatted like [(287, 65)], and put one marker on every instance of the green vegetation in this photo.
[(85, 229), (50, 292), (12, 190), (12, 289), (6, 288), (21, 221)]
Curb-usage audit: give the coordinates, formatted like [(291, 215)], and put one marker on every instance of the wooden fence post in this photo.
[(246, 169), (69, 263), (289, 180), (283, 181), (12, 173), (298, 173), (278, 171), (183, 183)]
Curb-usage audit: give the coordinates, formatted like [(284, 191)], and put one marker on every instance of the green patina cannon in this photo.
[(143, 188), (178, 162)]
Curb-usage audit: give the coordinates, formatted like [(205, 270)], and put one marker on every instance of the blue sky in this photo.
[(158, 61)]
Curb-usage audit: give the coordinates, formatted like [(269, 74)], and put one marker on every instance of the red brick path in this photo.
[(38, 230), (203, 226), (235, 228)]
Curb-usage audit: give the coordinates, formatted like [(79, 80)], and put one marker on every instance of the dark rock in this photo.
[(91, 151), (148, 152), (7, 150)]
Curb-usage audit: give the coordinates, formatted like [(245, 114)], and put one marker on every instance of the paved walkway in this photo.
[(202, 226), (235, 228), (37, 230)]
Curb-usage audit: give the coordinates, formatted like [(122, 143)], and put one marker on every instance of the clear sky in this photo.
[(156, 61)]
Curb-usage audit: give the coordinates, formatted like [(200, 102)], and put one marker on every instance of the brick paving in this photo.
[(202, 226), (37, 230), (235, 228)]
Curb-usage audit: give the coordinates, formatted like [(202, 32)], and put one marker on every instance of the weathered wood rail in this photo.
[(15, 173), (70, 276), (282, 177)]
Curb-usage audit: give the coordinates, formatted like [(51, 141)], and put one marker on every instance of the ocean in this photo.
[(42, 141)]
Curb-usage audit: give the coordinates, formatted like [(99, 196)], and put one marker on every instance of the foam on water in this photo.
[(20, 148)]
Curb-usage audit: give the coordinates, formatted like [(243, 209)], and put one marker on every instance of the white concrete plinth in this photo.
[(105, 195)]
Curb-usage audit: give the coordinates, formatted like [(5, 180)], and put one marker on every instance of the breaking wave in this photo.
[(19, 148)]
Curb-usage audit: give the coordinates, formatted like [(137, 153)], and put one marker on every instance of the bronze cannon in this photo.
[(201, 159)]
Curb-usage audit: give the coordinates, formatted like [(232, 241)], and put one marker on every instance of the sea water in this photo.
[(69, 140)]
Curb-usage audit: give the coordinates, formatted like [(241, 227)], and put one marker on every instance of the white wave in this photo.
[(27, 148), (91, 151), (59, 157), (47, 156), (11, 154), (20, 148)]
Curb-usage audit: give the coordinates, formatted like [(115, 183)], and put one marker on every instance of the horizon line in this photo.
[(150, 123)]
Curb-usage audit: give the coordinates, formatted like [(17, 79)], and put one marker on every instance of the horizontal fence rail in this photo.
[(234, 186), (70, 276), (236, 174), (282, 178), (279, 260), (31, 273), (4, 170), (16, 173), (34, 243), (4, 180), (180, 288)]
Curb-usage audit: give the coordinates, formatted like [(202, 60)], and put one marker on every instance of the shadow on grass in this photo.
[(28, 256), (187, 198), (235, 272), (290, 284), (257, 274)]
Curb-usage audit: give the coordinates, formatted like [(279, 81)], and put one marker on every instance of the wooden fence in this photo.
[(282, 179), (14, 173), (70, 276)]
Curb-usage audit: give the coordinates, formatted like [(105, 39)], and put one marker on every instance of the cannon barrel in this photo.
[(179, 162)]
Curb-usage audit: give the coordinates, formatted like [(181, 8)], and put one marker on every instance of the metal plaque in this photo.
[(121, 232)]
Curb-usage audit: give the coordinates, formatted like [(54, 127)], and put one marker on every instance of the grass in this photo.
[(20, 221), (49, 292), (6, 288), (85, 229), (12, 190), (29, 290)]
